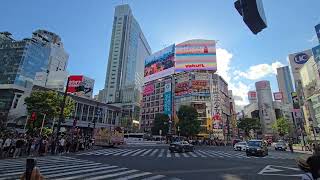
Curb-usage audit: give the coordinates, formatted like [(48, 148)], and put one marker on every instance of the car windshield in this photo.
[(254, 143)]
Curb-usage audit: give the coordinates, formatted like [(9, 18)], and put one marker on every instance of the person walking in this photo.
[(61, 145), (291, 146), (6, 147), (19, 144)]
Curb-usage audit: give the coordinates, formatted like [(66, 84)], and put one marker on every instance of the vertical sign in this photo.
[(167, 98), (317, 28)]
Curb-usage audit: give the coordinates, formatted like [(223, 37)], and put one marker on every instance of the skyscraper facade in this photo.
[(128, 49), (265, 105), (285, 83)]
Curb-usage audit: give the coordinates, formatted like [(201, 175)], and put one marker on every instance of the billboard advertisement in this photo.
[(159, 64), (295, 100), (317, 28), (252, 95), (76, 81), (316, 54), (148, 89), (199, 84), (196, 55), (278, 96), (167, 99), (297, 60)]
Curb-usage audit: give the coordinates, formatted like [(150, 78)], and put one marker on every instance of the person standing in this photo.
[(291, 146), (61, 145), (19, 144), (311, 167), (6, 146)]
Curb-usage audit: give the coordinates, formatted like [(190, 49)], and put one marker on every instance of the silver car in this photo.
[(240, 146), (281, 146)]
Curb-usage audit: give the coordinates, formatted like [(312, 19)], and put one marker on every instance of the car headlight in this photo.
[(258, 149)]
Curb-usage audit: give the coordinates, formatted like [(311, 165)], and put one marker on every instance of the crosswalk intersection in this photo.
[(165, 153), (67, 168)]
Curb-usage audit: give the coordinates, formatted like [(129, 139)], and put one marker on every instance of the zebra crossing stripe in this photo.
[(205, 153), (199, 154), (113, 175), (92, 174), (168, 153), (146, 152), (154, 177), (192, 154), (177, 155), (161, 153), (185, 155), (121, 152), (214, 154), (134, 176), (138, 152), (154, 152), (74, 171), (130, 152)]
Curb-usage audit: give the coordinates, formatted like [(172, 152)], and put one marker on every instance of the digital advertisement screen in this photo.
[(196, 55)]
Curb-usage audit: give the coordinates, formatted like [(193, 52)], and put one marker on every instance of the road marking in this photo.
[(168, 153), (185, 155), (199, 154), (82, 176), (192, 154), (154, 152), (145, 153), (271, 170), (141, 151), (130, 152), (207, 154), (214, 153), (161, 153), (177, 155), (134, 176), (121, 152), (113, 175), (154, 177)]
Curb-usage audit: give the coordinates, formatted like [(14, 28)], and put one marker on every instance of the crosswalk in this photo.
[(68, 168), (165, 153)]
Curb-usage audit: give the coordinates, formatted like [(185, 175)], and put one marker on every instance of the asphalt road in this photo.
[(156, 162), (204, 163)]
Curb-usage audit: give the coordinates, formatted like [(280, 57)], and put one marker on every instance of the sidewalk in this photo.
[(298, 149)]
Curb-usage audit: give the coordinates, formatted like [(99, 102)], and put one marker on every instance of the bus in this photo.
[(109, 137)]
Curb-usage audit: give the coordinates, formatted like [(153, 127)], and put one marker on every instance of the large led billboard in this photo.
[(196, 54), (76, 81), (159, 64)]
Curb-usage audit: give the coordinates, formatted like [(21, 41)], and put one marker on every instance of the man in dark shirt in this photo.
[(19, 144)]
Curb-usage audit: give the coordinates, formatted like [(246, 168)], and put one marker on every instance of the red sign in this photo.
[(183, 86), (199, 84), (261, 84), (74, 81), (252, 95), (278, 96), (148, 89)]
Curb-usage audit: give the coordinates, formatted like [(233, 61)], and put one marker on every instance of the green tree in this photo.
[(161, 122), (48, 103), (247, 124), (282, 126), (188, 121)]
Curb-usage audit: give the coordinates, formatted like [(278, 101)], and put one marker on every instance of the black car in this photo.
[(181, 146), (257, 147)]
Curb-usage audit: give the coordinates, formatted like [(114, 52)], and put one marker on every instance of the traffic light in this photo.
[(252, 13)]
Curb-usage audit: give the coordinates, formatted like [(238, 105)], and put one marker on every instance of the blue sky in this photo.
[(243, 58)]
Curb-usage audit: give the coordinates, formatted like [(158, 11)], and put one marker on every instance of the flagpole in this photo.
[(44, 117)]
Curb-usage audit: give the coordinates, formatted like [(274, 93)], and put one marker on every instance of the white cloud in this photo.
[(223, 62), (313, 39), (240, 89), (259, 71)]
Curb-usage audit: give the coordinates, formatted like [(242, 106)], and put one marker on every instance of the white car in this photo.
[(240, 146)]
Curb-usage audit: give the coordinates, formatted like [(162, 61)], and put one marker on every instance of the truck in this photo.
[(109, 136)]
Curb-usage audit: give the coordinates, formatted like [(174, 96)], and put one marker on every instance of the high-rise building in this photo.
[(285, 83), (22, 64), (128, 49), (265, 105)]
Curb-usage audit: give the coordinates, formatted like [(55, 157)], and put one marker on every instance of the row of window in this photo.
[(151, 110)]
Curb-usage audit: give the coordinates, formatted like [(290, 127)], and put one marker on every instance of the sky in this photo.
[(243, 58)]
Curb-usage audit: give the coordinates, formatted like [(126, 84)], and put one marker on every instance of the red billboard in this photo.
[(74, 81), (252, 95), (278, 96), (199, 84), (148, 89)]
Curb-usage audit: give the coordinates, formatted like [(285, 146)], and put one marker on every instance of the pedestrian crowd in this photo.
[(14, 145)]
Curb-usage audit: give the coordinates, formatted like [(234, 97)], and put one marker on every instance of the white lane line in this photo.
[(130, 152), (82, 176), (168, 153), (185, 155), (161, 153), (133, 176), (136, 153), (113, 175), (215, 154), (199, 154), (154, 152), (145, 153), (154, 177), (121, 152), (192, 154), (205, 153), (74, 171)]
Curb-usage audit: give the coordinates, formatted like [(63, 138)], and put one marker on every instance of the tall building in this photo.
[(124, 78), (21, 64), (265, 105), (285, 83), (128, 49)]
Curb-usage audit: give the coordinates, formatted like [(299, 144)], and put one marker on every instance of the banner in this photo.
[(148, 89), (167, 99), (252, 95), (316, 54), (75, 81), (295, 100), (278, 96), (196, 55), (159, 64), (199, 84)]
